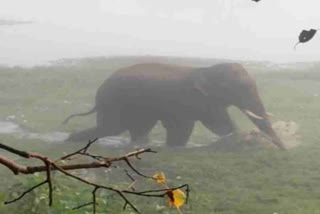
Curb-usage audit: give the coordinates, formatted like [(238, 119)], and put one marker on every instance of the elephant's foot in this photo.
[(178, 132)]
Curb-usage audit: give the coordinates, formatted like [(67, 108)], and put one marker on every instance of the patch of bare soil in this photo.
[(286, 130)]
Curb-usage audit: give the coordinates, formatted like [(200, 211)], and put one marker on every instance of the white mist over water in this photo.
[(233, 29)]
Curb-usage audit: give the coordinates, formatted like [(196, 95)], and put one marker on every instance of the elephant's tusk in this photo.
[(251, 114), (269, 114), (201, 88), (227, 135)]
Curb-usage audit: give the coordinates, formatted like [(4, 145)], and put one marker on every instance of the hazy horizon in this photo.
[(38, 31)]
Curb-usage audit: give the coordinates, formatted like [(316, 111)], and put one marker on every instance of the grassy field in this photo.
[(246, 180)]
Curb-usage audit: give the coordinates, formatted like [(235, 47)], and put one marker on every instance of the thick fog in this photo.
[(206, 94), (37, 31)]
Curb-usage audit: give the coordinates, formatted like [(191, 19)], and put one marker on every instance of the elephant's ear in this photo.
[(200, 84)]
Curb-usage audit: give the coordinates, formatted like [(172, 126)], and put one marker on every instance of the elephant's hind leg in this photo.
[(178, 131), (139, 132), (104, 128)]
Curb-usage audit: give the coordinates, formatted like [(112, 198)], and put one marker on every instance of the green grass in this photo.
[(247, 180)]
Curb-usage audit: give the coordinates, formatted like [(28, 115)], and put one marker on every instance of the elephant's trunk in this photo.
[(257, 114)]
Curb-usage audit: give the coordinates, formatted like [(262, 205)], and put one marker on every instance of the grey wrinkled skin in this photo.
[(136, 97)]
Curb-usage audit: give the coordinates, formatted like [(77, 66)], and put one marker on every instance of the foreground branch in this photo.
[(99, 162)]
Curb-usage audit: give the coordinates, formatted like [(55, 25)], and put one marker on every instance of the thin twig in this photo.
[(133, 181), (100, 161), (83, 150), (94, 203), (48, 165), (24, 193), (96, 185), (135, 170), (83, 205)]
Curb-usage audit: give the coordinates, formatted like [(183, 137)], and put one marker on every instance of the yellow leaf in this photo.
[(160, 178), (176, 198)]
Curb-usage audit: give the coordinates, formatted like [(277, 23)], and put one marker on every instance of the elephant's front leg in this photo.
[(219, 122), (178, 131)]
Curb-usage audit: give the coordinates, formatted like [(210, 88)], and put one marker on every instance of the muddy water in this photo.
[(10, 127), (287, 131)]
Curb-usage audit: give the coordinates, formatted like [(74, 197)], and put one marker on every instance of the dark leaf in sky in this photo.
[(305, 36)]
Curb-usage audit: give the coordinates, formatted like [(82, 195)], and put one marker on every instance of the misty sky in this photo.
[(233, 29)]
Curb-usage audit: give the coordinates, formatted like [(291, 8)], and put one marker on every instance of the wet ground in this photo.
[(287, 131), (12, 128)]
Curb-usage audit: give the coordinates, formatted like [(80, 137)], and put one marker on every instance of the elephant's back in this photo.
[(148, 78), (152, 71), (228, 72), (160, 87)]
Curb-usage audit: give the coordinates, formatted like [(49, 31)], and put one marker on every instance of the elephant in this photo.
[(134, 98)]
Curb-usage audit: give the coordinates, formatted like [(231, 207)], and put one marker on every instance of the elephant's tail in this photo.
[(93, 110)]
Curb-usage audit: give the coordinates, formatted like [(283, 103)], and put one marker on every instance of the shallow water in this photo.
[(10, 127), (286, 130)]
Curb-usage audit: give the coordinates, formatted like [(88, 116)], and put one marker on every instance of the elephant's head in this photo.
[(230, 84)]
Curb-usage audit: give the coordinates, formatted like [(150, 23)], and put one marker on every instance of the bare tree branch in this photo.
[(99, 161), (24, 193)]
